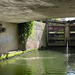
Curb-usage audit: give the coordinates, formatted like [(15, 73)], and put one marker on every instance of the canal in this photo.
[(43, 62)]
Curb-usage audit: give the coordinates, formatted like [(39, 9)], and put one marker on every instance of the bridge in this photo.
[(18, 11)]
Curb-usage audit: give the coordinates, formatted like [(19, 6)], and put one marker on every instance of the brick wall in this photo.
[(39, 37)]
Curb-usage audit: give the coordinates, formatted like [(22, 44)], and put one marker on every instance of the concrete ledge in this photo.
[(14, 53)]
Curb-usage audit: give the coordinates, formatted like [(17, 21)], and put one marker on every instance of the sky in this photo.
[(70, 18)]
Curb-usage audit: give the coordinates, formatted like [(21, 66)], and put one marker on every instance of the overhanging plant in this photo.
[(25, 29)]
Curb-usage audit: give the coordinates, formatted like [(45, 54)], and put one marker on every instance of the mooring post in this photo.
[(67, 33)]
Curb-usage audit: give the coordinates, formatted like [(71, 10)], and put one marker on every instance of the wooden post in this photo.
[(47, 33), (67, 33)]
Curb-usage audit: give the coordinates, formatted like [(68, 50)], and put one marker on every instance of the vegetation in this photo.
[(25, 29), (55, 19)]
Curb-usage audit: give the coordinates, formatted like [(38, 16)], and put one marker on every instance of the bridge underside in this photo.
[(17, 11)]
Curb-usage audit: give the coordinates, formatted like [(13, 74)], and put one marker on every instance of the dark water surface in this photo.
[(44, 62)]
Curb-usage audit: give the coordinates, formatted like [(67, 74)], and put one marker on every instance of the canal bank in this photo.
[(11, 54), (9, 40)]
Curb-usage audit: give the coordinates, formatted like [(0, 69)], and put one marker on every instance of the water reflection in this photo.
[(55, 66), (70, 73), (13, 67), (71, 65), (69, 61), (39, 63)]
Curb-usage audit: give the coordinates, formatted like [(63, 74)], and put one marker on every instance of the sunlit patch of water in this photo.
[(34, 58)]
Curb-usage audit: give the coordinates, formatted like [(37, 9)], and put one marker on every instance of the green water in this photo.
[(43, 62)]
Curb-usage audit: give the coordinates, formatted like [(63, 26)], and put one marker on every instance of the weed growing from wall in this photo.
[(25, 29)]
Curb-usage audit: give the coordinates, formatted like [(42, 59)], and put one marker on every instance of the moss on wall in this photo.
[(14, 53)]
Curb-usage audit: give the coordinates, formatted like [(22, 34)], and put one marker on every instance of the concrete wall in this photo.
[(39, 37), (9, 39)]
